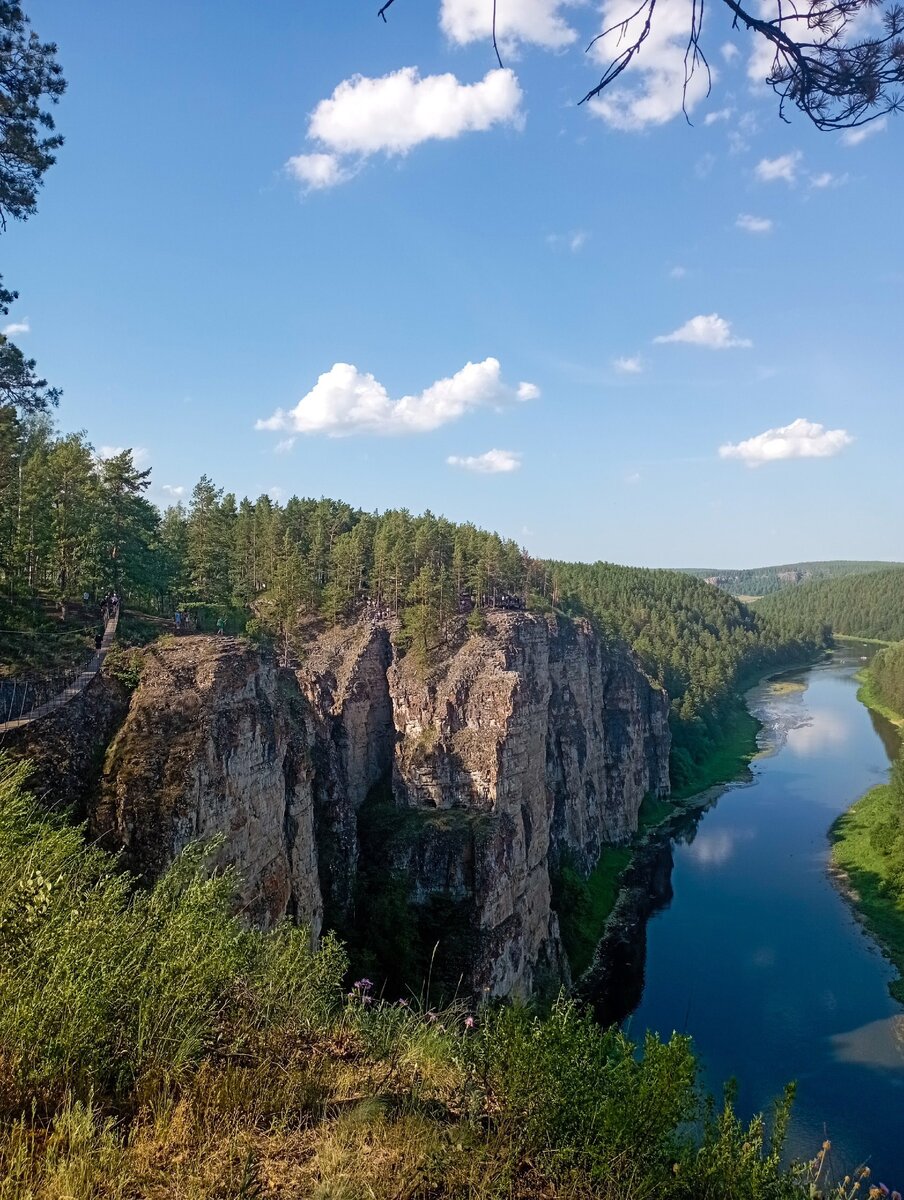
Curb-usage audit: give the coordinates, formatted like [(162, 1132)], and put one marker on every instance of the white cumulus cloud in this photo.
[(394, 113), (346, 401), (537, 22), (493, 462), (784, 167), (751, 224), (15, 328), (657, 72), (317, 171), (712, 331), (826, 179), (800, 439), (853, 137), (629, 365), (177, 491), (140, 454)]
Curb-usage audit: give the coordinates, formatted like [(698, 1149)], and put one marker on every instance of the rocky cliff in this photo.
[(555, 739), (215, 745), (465, 785)]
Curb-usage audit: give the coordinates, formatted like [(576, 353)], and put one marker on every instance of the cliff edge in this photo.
[(532, 743)]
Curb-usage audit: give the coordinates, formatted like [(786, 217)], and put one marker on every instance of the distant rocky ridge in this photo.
[(531, 741)]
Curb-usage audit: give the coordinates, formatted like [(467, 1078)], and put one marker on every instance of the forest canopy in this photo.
[(72, 522), (870, 606), (762, 581)]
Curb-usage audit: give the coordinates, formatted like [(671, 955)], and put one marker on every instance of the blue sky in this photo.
[(185, 283)]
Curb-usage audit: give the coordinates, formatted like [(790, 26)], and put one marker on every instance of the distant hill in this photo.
[(869, 605), (764, 581)]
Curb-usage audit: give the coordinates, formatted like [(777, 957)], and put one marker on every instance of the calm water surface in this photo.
[(759, 957)]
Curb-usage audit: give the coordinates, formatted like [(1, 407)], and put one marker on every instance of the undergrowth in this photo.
[(151, 1045)]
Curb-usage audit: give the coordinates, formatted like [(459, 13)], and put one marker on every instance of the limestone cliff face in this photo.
[(215, 744), (556, 738), (532, 742), (344, 680)]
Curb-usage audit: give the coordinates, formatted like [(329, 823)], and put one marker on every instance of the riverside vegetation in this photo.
[(868, 840), (152, 1045)]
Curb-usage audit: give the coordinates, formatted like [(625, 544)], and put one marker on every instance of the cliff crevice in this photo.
[(531, 743)]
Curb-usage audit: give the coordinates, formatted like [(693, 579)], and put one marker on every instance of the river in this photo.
[(754, 951)]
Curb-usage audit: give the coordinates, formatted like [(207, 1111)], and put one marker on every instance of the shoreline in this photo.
[(857, 867), (729, 764)]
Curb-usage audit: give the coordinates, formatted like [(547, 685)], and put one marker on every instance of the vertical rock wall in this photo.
[(532, 742), (215, 745), (557, 739)]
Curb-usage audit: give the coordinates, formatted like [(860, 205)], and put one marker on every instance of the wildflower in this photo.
[(367, 999), (362, 985), (403, 1004), (469, 1022), (431, 1016)]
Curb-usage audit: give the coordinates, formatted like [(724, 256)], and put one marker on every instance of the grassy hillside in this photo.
[(869, 606), (763, 581)]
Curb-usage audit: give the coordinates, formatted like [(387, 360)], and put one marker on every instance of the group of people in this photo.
[(184, 623), (109, 607), (375, 612)]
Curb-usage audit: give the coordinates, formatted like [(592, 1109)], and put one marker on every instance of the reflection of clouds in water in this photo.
[(714, 849), (824, 732), (779, 712), (880, 1045)]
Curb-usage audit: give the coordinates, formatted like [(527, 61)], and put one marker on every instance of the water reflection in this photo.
[(878, 1044), (825, 733), (731, 930), (716, 848)]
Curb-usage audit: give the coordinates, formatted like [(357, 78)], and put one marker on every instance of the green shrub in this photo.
[(102, 985)]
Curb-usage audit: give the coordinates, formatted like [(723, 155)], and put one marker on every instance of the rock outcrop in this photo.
[(533, 743), (215, 745), (552, 736)]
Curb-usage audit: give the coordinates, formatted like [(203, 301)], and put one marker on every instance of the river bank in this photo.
[(729, 928), (868, 850), (867, 871), (607, 908), (867, 696)]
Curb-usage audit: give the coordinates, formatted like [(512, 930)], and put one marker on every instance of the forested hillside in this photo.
[(870, 606), (886, 678), (763, 581), (700, 642), (71, 522)]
